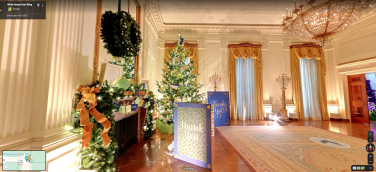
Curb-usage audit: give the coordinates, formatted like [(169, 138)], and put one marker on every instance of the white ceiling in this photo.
[(224, 12)]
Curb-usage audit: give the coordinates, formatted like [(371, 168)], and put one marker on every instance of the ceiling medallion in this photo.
[(318, 20)]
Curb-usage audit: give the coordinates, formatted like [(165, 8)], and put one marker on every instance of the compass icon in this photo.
[(370, 148)]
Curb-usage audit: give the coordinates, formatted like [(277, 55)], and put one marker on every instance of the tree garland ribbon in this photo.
[(128, 93), (88, 94)]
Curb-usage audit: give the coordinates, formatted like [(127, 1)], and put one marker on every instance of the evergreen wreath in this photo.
[(120, 34)]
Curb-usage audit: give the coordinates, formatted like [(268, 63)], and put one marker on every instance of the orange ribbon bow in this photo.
[(89, 95), (128, 93), (141, 93)]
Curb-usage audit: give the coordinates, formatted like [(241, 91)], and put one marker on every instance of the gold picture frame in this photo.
[(146, 83)]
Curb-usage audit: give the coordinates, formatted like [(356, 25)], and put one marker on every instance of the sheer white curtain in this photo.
[(308, 74), (245, 88)]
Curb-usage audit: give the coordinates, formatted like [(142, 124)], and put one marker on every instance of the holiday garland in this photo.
[(148, 96), (98, 156), (121, 34), (97, 153)]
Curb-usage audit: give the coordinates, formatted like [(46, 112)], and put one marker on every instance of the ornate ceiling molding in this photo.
[(201, 43), (357, 27), (153, 14), (153, 10), (286, 44), (328, 46), (264, 44), (224, 43), (161, 43)]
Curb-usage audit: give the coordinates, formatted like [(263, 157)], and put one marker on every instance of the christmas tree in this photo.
[(178, 82)]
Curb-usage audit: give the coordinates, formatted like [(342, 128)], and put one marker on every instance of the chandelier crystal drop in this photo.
[(318, 20)]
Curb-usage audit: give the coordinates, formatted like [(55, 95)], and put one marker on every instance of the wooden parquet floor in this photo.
[(150, 155)]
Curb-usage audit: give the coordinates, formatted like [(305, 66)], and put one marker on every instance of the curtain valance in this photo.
[(192, 48), (245, 50), (308, 51)]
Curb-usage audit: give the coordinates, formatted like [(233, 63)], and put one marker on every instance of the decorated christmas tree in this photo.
[(178, 83)]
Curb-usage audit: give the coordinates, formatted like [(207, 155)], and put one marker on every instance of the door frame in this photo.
[(353, 68), (366, 115)]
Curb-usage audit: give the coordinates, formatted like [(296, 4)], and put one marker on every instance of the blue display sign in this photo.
[(221, 104), (117, 106), (134, 107)]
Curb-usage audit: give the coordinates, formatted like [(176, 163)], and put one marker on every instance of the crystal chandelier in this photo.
[(318, 20)]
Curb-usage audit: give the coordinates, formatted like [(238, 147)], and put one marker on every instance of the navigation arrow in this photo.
[(326, 141)]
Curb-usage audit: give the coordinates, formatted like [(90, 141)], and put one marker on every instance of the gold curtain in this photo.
[(189, 48), (308, 51), (245, 51)]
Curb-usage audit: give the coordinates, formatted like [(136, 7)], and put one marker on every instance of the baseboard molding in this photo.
[(267, 119), (52, 140), (336, 119), (346, 120)]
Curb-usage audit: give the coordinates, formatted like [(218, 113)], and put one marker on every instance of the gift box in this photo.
[(158, 123), (163, 127), (170, 128)]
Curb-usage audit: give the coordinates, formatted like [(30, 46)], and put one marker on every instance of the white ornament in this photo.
[(122, 42), (187, 61)]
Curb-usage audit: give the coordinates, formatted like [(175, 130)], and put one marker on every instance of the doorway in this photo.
[(371, 93), (358, 98)]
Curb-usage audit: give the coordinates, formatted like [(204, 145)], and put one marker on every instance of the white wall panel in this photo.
[(276, 56), (41, 64), (64, 62)]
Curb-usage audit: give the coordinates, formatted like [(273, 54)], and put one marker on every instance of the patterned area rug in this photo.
[(295, 148)]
